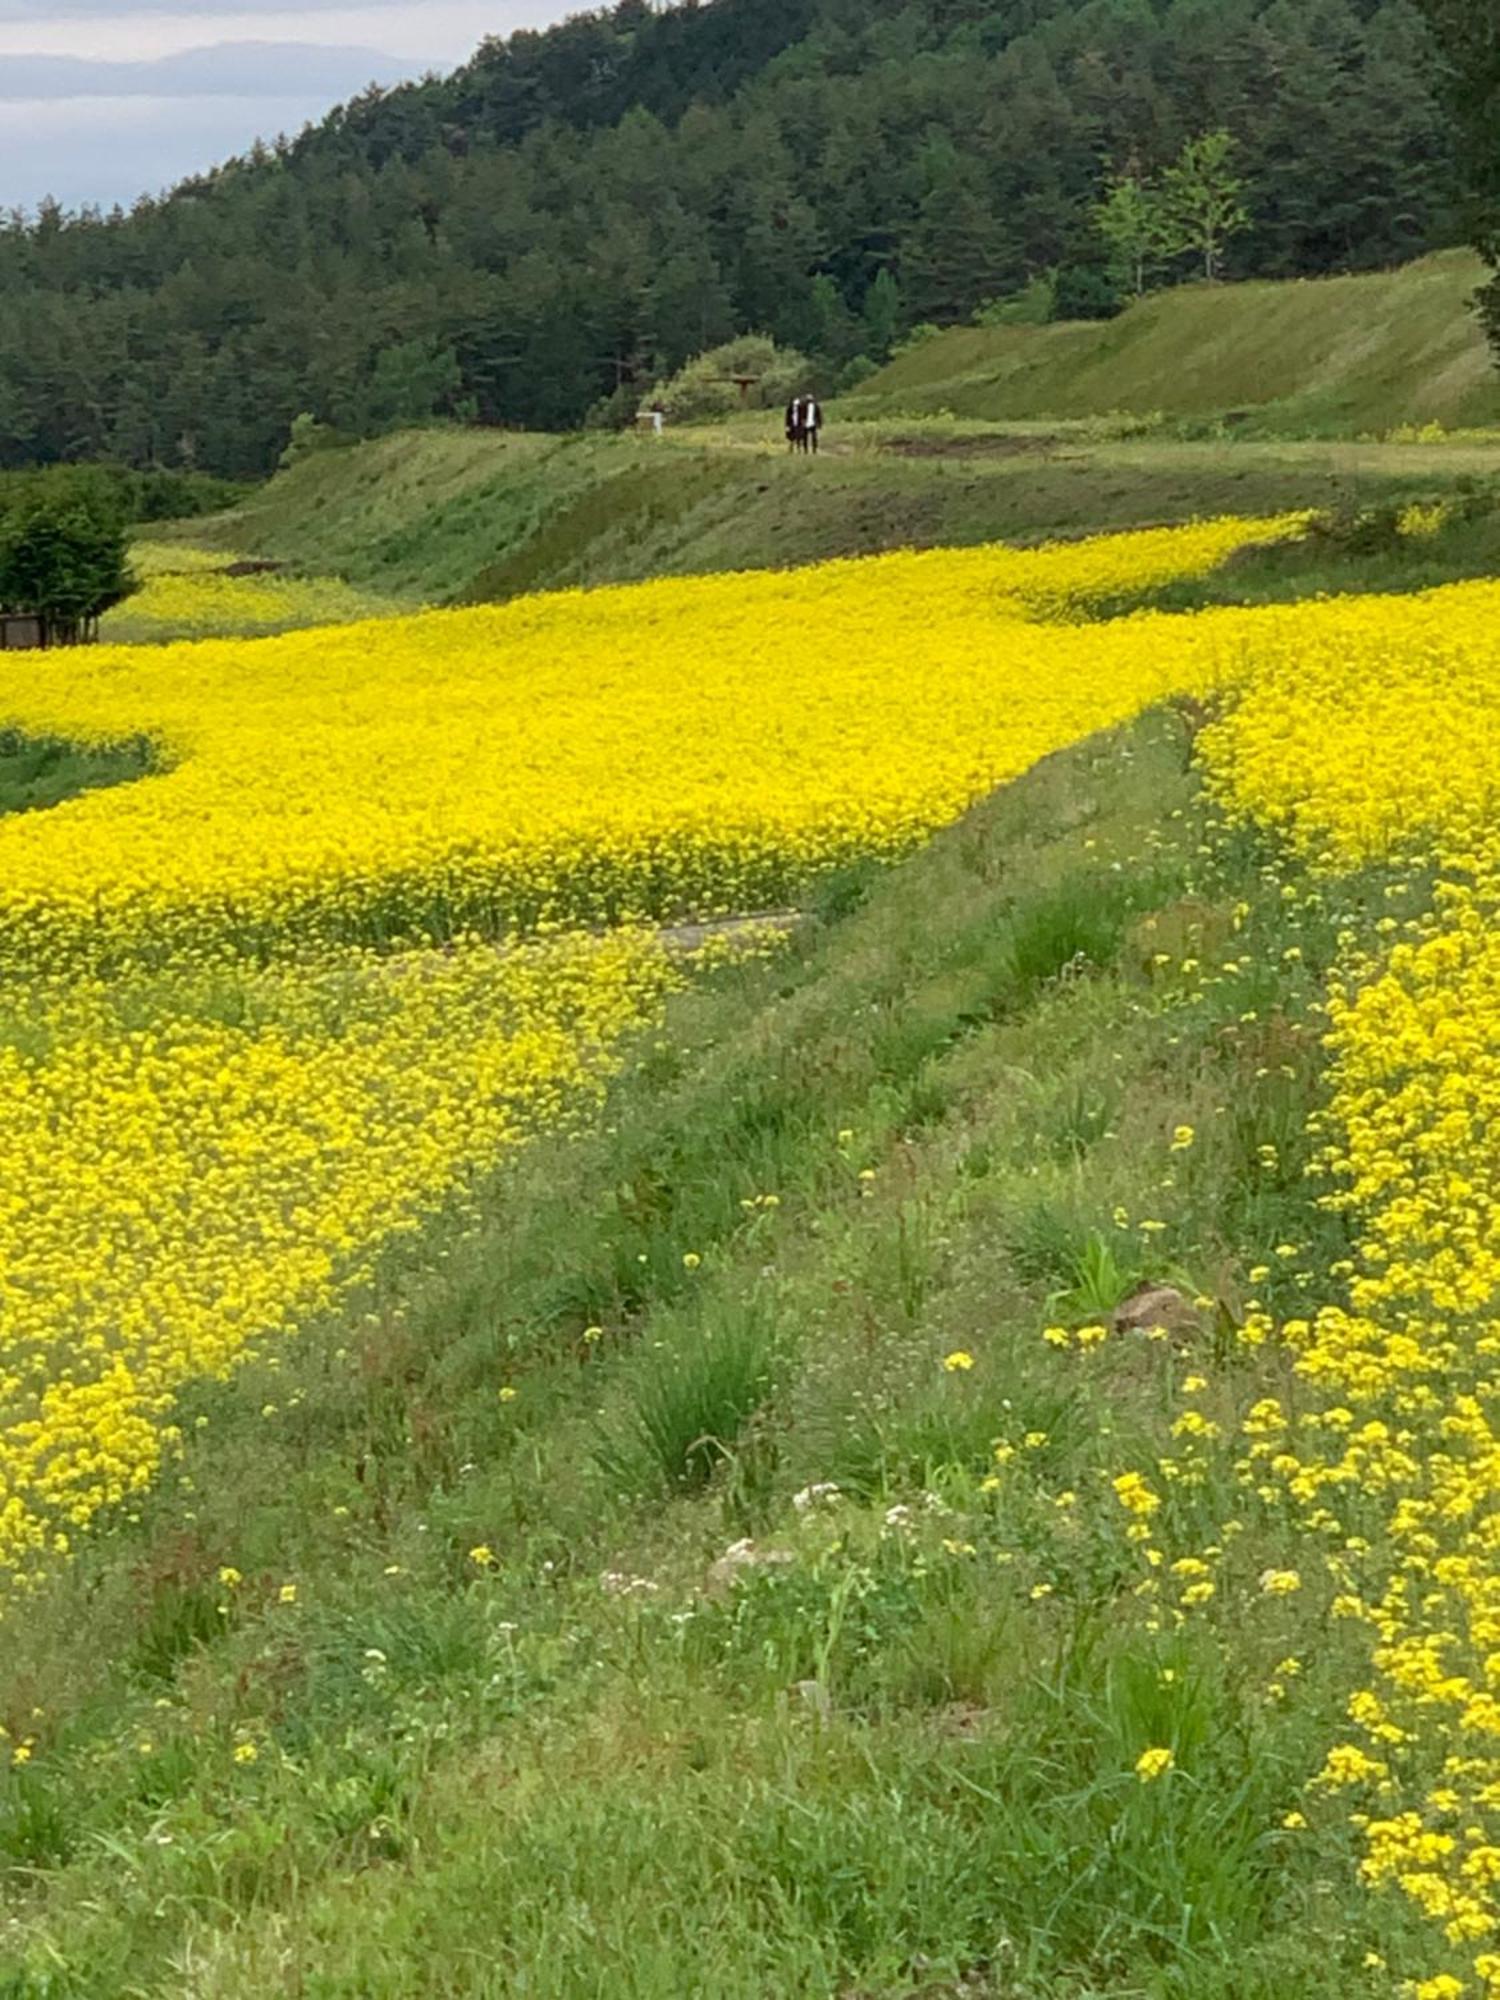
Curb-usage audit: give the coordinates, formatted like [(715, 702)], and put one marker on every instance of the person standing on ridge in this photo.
[(804, 420), (812, 423)]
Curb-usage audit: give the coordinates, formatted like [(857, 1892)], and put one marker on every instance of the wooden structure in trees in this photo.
[(20, 632), (29, 631)]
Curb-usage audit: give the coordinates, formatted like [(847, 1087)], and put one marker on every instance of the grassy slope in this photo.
[(454, 516), (900, 1763), (1328, 356)]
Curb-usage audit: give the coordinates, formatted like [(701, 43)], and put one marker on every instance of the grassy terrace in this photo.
[(445, 517), (1317, 357), (37, 774)]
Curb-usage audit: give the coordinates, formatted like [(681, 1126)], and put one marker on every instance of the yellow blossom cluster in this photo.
[(194, 1166), (1370, 732), (697, 745), (190, 593)]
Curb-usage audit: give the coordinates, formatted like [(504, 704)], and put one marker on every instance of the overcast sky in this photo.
[(103, 100)]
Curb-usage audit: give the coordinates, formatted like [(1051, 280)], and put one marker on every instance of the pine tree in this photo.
[(882, 315), (951, 258), (586, 207)]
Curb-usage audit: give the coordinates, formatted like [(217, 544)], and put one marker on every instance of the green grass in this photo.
[(1322, 357), (510, 1737), (454, 516), (414, 515), (1368, 552), (691, 1400), (35, 774)]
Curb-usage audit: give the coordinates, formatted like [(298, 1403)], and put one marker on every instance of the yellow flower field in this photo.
[(210, 1138), (185, 593), (236, 1068), (1371, 732), (684, 746), (192, 1167)]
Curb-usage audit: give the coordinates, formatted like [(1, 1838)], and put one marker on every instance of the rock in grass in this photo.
[(1151, 1305)]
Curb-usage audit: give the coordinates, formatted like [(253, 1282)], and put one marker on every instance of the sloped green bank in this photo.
[(1314, 357), (469, 516)]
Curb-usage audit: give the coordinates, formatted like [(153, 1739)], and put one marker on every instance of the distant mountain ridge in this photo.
[(235, 69), (572, 213)]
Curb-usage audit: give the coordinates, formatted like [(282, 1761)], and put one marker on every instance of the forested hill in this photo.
[(575, 212)]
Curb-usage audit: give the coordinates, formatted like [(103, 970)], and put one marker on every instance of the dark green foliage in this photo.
[(118, 492), (63, 562), (1468, 34), (1085, 291), (578, 212)]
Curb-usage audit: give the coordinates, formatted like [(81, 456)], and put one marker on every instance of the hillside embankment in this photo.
[(1342, 395), (454, 517), (840, 1475), (699, 1561), (1328, 357)]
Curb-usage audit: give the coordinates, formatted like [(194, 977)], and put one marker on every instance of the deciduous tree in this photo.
[(64, 563), (1202, 201), (1133, 223)]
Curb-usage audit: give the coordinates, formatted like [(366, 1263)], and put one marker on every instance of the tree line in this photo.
[(572, 215), (1467, 33)]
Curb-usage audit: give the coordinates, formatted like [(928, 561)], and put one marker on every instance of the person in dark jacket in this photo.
[(804, 423)]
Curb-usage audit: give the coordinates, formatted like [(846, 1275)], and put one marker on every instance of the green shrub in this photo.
[(1033, 305), (1085, 291), (917, 337), (706, 388)]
